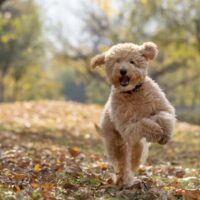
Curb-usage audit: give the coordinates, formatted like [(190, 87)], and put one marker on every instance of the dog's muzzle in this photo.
[(124, 80)]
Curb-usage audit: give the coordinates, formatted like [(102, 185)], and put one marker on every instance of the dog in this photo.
[(137, 111)]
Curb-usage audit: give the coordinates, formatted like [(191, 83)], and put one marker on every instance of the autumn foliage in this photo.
[(51, 150)]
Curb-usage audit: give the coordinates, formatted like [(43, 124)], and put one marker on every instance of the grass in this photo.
[(51, 150)]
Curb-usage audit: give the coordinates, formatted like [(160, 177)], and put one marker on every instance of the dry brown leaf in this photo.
[(47, 186), (45, 194), (192, 194), (34, 185), (18, 176), (179, 192), (180, 173), (17, 188), (74, 151), (70, 186)]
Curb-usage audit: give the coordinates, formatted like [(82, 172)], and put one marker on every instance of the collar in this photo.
[(135, 89)]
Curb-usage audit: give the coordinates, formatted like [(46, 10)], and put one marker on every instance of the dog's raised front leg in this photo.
[(148, 128), (167, 122)]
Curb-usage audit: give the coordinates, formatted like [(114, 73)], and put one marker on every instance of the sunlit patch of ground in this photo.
[(51, 150)]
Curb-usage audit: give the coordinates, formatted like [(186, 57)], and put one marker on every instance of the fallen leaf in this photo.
[(37, 168), (74, 151), (17, 188), (180, 173), (192, 194), (34, 185), (70, 186), (18, 176), (7, 172), (45, 194), (47, 186), (179, 192)]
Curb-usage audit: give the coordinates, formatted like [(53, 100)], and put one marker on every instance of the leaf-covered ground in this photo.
[(50, 150)]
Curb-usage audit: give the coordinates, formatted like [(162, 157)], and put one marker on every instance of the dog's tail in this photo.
[(97, 127)]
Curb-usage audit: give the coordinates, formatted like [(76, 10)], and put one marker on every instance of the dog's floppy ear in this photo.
[(98, 60), (149, 50)]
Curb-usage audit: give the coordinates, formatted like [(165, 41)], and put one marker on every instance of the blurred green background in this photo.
[(46, 47)]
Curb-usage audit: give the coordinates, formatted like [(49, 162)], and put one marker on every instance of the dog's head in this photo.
[(126, 64)]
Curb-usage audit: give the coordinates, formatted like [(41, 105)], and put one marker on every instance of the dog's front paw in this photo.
[(129, 181), (126, 180), (118, 179), (164, 139), (152, 131)]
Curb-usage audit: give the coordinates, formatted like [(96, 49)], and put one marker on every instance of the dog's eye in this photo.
[(132, 62)]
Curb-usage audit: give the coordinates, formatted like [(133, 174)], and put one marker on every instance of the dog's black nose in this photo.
[(123, 71)]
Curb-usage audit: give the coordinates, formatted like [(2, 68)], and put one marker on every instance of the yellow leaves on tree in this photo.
[(7, 37), (106, 7), (144, 2)]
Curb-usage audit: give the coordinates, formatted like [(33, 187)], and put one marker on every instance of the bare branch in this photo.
[(183, 82), (169, 68)]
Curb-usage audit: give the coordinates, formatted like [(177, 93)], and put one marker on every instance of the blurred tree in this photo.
[(21, 50), (2, 2), (173, 25), (68, 80)]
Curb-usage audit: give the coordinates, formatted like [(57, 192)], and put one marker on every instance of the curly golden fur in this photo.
[(132, 117)]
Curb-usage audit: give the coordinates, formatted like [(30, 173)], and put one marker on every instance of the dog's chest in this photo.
[(132, 108)]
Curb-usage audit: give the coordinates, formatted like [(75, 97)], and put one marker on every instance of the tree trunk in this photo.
[(197, 26)]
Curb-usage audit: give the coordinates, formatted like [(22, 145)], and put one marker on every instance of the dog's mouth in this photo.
[(124, 81)]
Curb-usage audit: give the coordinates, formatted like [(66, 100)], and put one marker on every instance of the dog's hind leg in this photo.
[(136, 155), (139, 153), (116, 151), (115, 147), (145, 151)]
